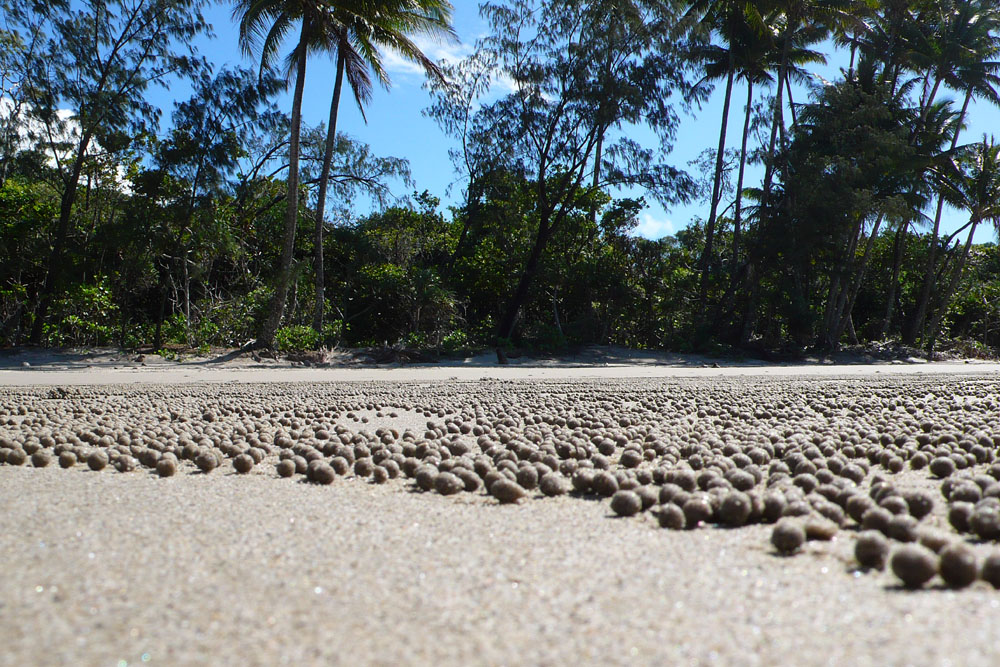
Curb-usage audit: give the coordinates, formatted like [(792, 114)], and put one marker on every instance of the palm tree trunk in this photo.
[(956, 276), (777, 119), (706, 255), (897, 265), (738, 209), (324, 180), (277, 306), (920, 315)]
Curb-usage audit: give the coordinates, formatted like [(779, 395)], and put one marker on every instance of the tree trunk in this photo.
[(277, 306), (509, 319), (324, 180), (706, 255), (56, 262), (935, 324), (778, 120), (897, 265), (920, 315), (738, 210), (849, 292)]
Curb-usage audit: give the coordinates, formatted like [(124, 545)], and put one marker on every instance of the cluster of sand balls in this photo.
[(907, 468)]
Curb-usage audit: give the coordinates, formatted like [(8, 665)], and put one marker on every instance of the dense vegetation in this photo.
[(232, 221)]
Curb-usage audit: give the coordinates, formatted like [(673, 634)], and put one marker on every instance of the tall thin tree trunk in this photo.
[(738, 209), (777, 119), (791, 102), (706, 255), (55, 264), (920, 315), (598, 149), (277, 306), (324, 180), (897, 265), (946, 297), (509, 319)]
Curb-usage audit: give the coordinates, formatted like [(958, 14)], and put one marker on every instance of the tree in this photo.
[(968, 49), (97, 60), (201, 153), (972, 182), (264, 25), (356, 32), (738, 24), (547, 129)]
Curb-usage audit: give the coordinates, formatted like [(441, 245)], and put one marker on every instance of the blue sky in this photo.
[(397, 127)]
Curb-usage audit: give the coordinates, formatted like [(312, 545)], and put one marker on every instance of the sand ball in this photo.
[(648, 495), (41, 458), (671, 516), (125, 464), (871, 549), (380, 475), (166, 467), (626, 503), (934, 540), (894, 504), (285, 468), (985, 522), (243, 463), (470, 479), (631, 458), (876, 518), (913, 564), (97, 460), (966, 492), (448, 484), (363, 467), (820, 528), (788, 536), (67, 460), (735, 509), (507, 491), (902, 527), (957, 565), (527, 477), (604, 484), (553, 484), (919, 503), (340, 465), (323, 473), (991, 570), (960, 516), (774, 506), (425, 477), (942, 466), (206, 461), (697, 510)]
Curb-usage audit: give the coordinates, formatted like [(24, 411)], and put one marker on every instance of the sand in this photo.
[(107, 568)]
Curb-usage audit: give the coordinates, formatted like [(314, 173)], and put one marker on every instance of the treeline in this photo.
[(239, 222)]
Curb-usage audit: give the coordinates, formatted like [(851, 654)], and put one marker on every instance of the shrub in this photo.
[(296, 338)]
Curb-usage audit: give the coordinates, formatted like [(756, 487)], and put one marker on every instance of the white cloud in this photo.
[(653, 228), (436, 50)]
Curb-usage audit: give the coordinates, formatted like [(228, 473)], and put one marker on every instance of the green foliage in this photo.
[(85, 316), (296, 338)]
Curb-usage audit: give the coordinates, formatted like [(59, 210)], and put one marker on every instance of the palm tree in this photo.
[(800, 23), (736, 23), (968, 49), (264, 25), (972, 183), (356, 30)]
